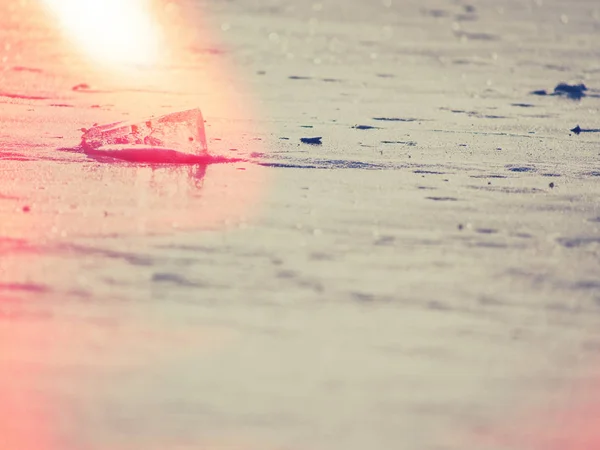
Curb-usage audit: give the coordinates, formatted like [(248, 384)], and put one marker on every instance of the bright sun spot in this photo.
[(110, 31)]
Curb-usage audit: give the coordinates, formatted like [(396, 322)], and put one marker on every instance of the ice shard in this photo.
[(181, 132)]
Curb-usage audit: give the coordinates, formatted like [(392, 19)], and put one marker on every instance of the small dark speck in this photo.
[(361, 297), (312, 140), (261, 72), (574, 92), (284, 138), (81, 86), (171, 278), (521, 169), (551, 185), (29, 287), (476, 36), (364, 127), (523, 235), (394, 119), (442, 199), (26, 69), (486, 231), (436, 13), (540, 92), (428, 172), (408, 143), (26, 209), (460, 227)]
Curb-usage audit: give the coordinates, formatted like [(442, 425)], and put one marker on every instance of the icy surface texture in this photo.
[(182, 131)]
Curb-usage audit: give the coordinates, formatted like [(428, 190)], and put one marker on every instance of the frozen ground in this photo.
[(431, 283)]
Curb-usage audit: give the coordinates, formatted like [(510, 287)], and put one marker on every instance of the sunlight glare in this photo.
[(110, 31)]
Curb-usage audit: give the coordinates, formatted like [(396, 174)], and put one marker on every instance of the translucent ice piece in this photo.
[(182, 131), (146, 154)]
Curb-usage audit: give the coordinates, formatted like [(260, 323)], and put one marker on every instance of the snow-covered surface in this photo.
[(430, 283)]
